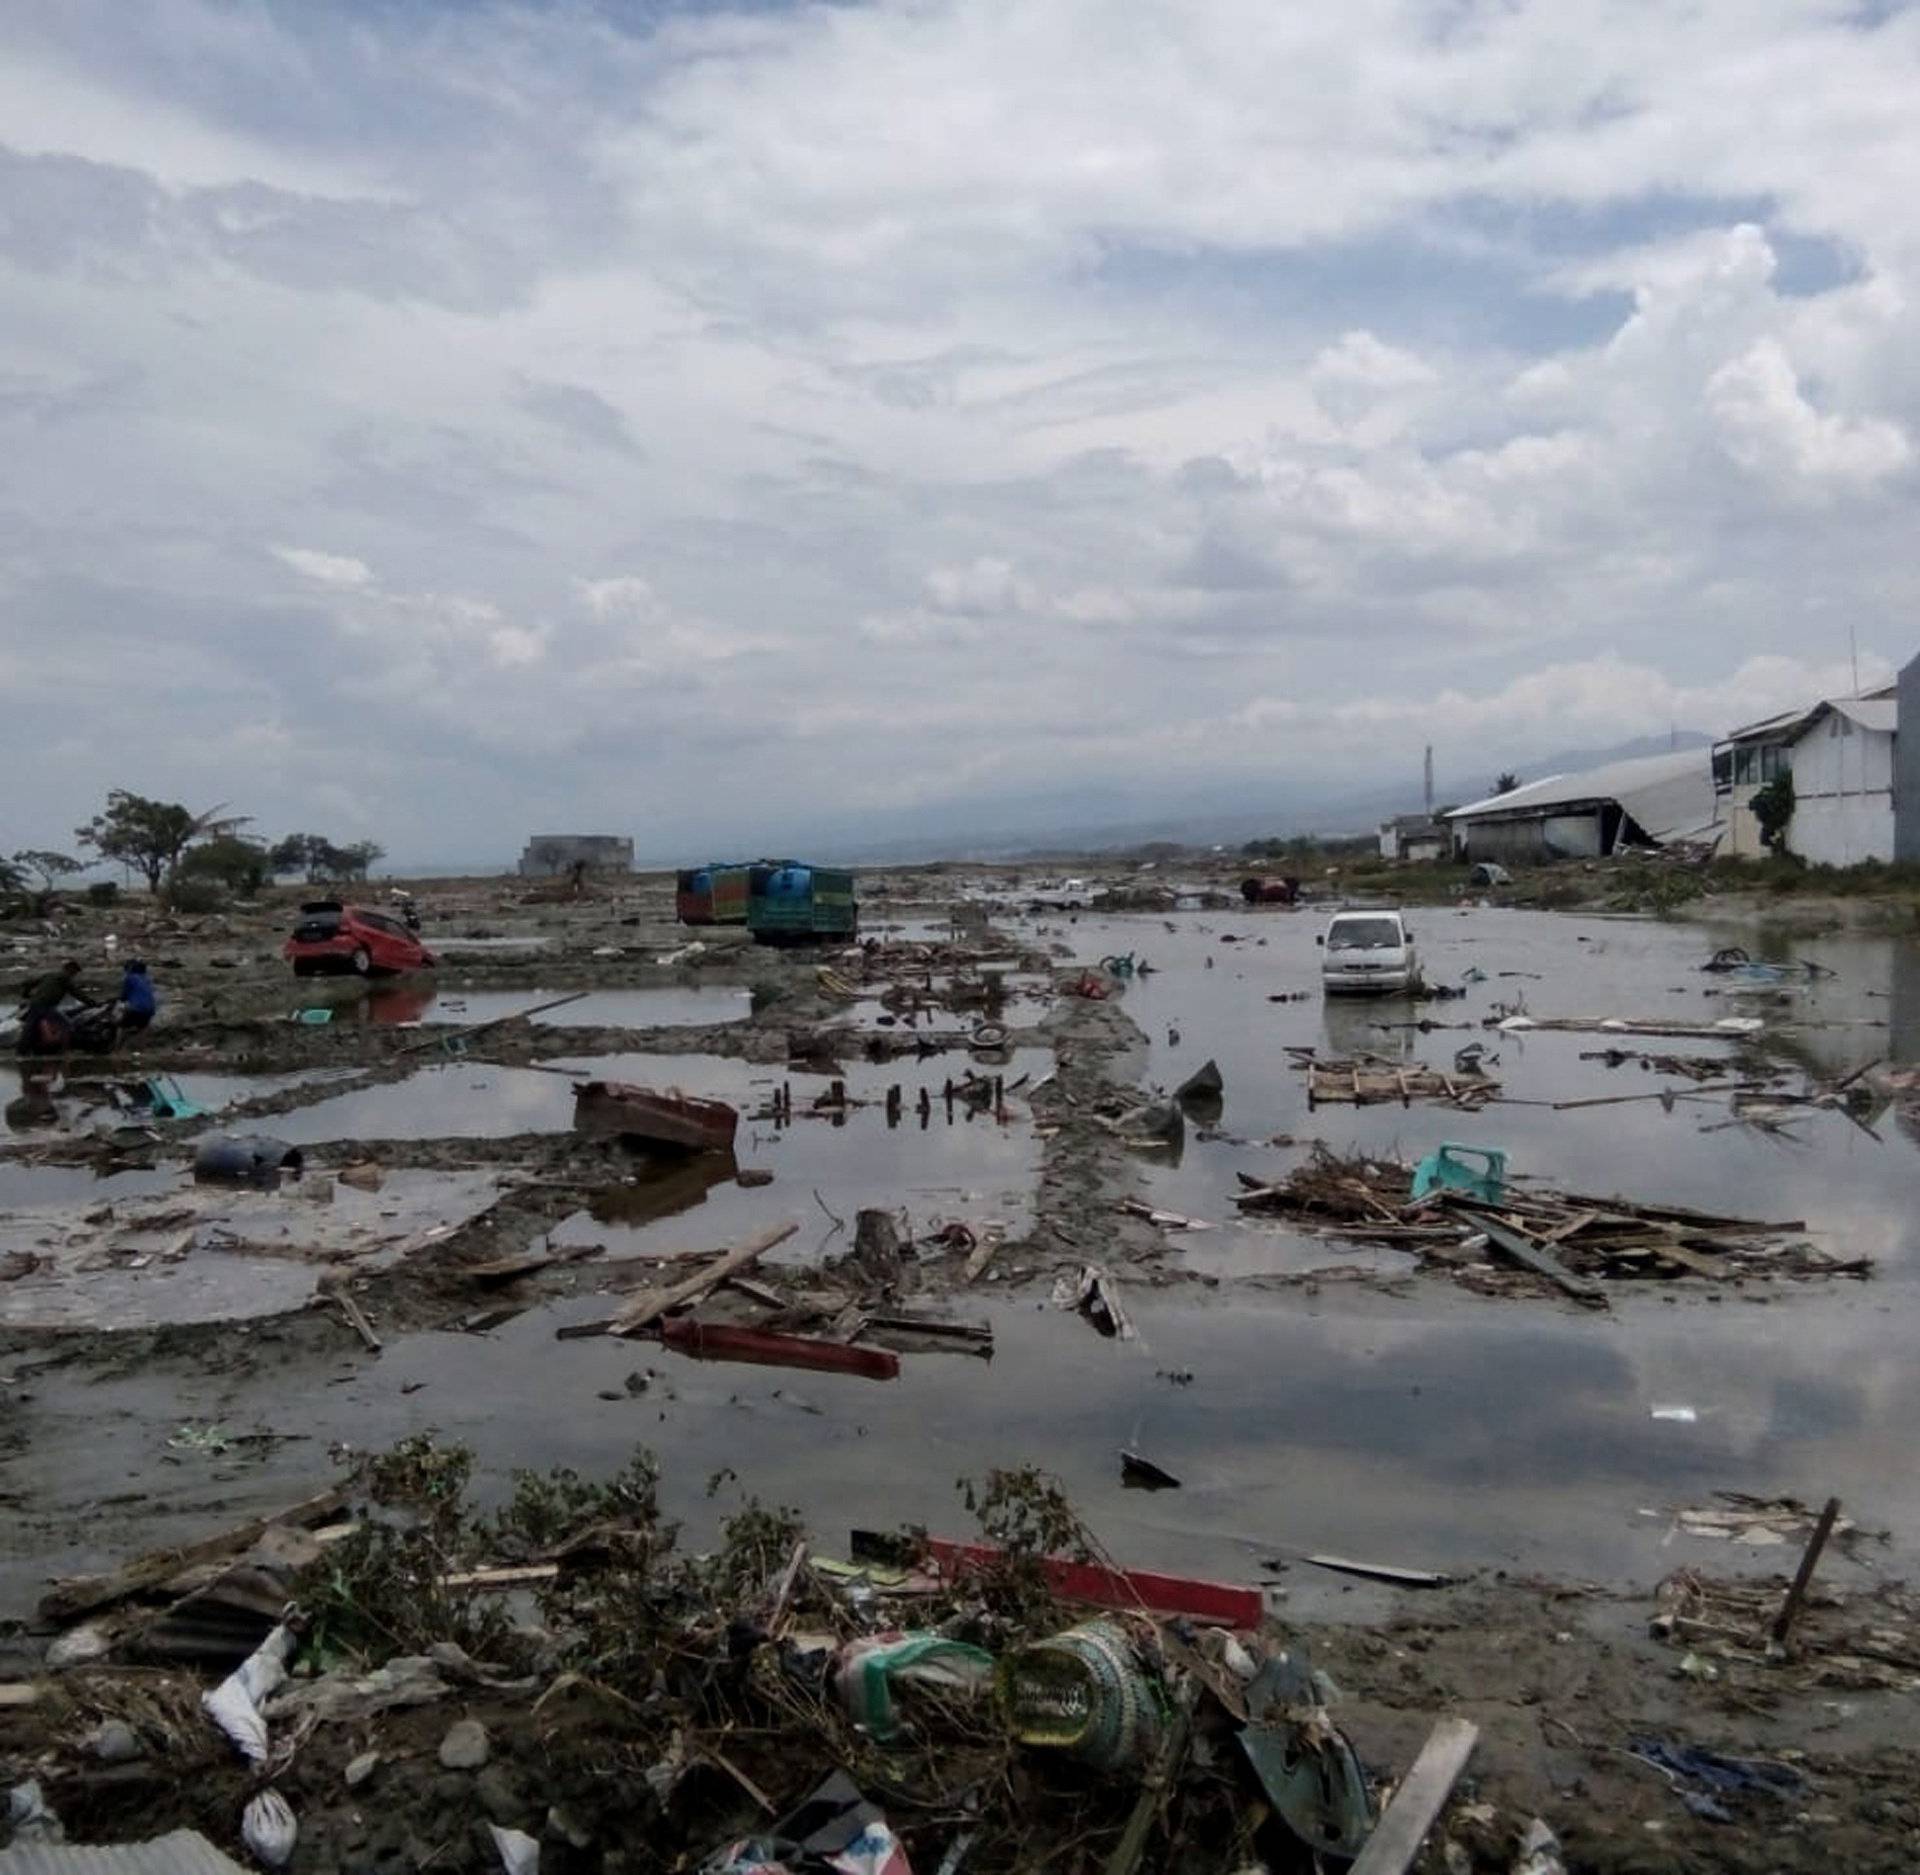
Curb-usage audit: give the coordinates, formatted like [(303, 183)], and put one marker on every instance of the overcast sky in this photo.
[(435, 422)]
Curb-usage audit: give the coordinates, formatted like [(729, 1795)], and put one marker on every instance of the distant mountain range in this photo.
[(1107, 819), (1211, 817)]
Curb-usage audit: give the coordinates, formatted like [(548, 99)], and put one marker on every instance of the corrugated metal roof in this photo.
[(1670, 796), (1772, 725), (1881, 714), (180, 1852)]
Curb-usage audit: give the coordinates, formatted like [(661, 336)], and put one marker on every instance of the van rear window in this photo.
[(1364, 934)]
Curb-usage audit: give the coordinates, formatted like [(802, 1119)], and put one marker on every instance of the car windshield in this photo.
[(1364, 934)]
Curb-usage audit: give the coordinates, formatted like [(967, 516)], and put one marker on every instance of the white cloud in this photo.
[(980, 588), (1355, 361), (326, 569), (1768, 424)]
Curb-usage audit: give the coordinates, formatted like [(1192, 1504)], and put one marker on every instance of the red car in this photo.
[(332, 939)]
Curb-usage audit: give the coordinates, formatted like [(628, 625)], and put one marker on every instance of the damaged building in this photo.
[(550, 854), (1650, 801)]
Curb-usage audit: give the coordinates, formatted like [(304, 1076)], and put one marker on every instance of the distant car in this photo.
[(1270, 891), (333, 939), (1368, 953)]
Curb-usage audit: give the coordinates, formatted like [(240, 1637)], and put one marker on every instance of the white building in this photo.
[(1649, 801), (1842, 762), (1413, 837), (1841, 755)]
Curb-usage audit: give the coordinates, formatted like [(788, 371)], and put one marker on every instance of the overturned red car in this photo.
[(333, 939)]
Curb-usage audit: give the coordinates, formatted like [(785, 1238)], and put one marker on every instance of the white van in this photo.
[(1368, 953)]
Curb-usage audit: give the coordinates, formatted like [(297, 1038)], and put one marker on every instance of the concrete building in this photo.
[(1842, 754), (550, 854), (1842, 758), (1414, 837), (1650, 801), (1906, 769)]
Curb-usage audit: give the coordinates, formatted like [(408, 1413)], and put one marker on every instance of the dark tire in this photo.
[(361, 961)]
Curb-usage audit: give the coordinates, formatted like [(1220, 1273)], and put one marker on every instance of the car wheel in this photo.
[(362, 961)]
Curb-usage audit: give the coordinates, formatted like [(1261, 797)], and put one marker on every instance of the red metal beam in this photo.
[(717, 1341)]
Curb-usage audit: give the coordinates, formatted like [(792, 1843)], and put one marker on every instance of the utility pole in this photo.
[(1429, 780)]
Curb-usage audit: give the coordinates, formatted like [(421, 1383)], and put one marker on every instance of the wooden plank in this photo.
[(1383, 1572), (1422, 1795), (982, 1254), (1783, 1622), (1530, 1256), (1717, 1269), (356, 1318), (80, 1595), (648, 1309), (511, 1577)]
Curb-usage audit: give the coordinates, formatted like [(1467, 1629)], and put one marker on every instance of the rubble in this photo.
[(1557, 1238)]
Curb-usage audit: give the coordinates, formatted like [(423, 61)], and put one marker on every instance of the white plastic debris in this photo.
[(519, 1852), (1514, 1024), (269, 1829), (1681, 1415), (32, 1820), (1539, 1852), (234, 1705), (76, 1647)]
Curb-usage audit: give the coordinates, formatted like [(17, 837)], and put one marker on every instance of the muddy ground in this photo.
[(1312, 1395)]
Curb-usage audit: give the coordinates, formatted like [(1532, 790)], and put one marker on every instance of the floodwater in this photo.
[(1424, 1428), (958, 1165), (195, 1253), (678, 1006), (41, 1100)]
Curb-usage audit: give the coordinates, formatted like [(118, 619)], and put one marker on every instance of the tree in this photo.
[(1773, 811), (1506, 782), (290, 854), (148, 837), (321, 861), (37, 863), (359, 859), (238, 864)]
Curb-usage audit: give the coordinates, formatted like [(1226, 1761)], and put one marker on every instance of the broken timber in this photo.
[(645, 1310), (1424, 1790)]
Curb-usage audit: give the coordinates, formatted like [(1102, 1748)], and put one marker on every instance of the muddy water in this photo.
[(57, 1103), (195, 1253), (675, 1007), (1424, 1428)]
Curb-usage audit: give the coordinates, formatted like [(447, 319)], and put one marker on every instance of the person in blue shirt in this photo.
[(138, 999)]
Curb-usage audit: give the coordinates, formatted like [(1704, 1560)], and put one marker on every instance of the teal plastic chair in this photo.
[(1479, 1171)]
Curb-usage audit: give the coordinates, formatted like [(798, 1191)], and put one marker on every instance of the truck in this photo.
[(796, 904)]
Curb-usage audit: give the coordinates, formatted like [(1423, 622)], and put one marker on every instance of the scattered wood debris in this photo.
[(1370, 1080), (1857, 1640), (1526, 1241)]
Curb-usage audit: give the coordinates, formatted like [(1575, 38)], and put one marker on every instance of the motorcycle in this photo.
[(72, 1029)]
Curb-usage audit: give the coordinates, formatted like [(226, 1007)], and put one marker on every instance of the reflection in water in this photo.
[(662, 1185)]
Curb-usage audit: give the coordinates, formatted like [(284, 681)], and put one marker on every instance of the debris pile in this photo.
[(1493, 1236), (590, 1686), (1854, 1639)]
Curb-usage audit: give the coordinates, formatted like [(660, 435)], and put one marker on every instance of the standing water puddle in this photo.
[(961, 1163), (197, 1253)]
